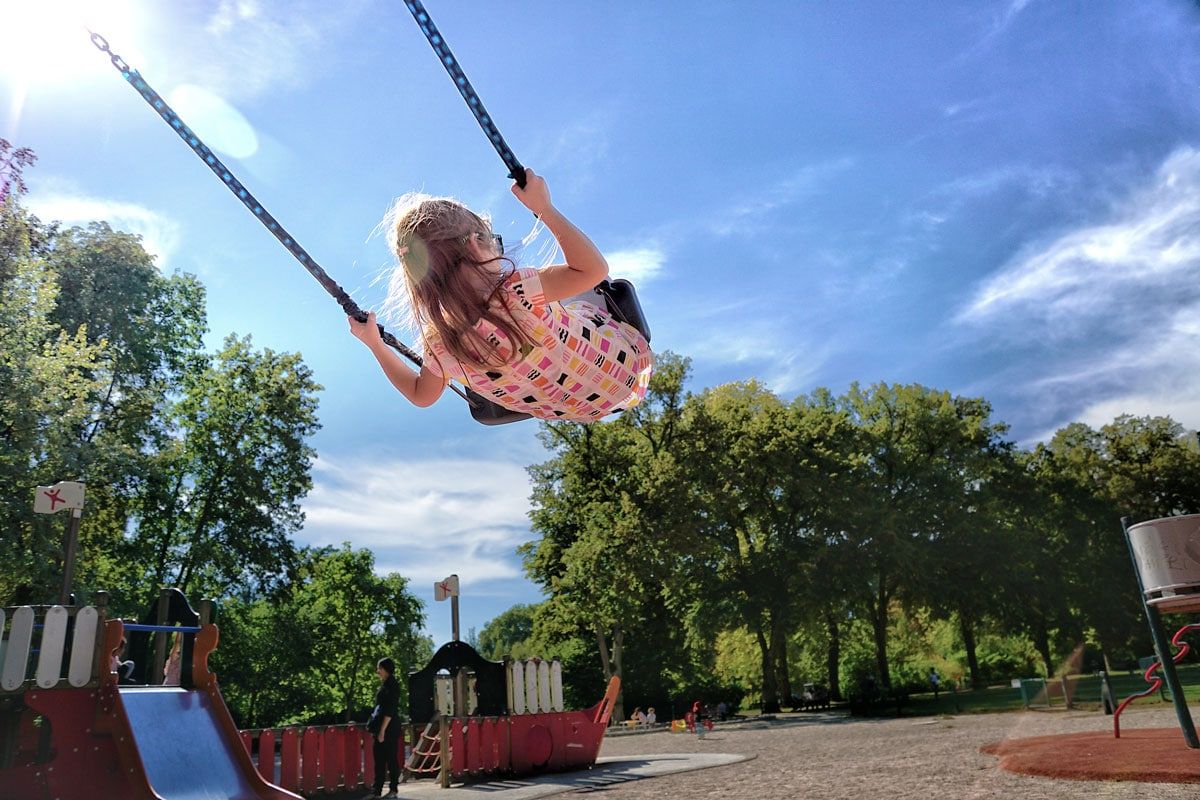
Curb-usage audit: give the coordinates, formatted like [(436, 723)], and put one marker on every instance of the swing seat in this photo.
[(617, 297), (620, 300), (488, 413)]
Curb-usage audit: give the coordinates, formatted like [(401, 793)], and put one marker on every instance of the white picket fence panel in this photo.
[(535, 686), (16, 651), (53, 647), (83, 649), (44, 633)]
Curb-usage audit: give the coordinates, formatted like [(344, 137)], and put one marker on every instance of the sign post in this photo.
[(63, 496), (448, 589)]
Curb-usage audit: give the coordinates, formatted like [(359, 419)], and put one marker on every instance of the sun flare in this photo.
[(46, 42)]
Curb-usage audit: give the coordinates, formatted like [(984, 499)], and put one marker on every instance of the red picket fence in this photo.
[(315, 758)]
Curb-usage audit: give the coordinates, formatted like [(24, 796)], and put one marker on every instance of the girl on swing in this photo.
[(515, 336)]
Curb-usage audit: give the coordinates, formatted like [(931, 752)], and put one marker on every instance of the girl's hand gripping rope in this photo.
[(536, 194)]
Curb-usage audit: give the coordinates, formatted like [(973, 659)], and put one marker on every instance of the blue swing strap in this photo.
[(135, 79), (618, 296), (515, 170)]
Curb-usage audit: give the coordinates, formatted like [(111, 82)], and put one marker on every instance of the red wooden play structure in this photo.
[(478, 718), (69, 731), (70, 727)]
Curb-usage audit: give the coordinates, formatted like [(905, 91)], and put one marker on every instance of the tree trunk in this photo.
[(605, 661), (770, 694), (1041, 641), (835, 657), (612, 664), (879, 625), (780, 658), (968, 635), (618, 647)]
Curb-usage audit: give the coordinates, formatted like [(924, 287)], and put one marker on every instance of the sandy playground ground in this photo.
[(828, 757)]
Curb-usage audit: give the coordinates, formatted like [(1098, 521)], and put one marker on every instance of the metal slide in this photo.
[(187, 750)]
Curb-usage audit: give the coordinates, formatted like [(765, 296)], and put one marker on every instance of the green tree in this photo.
[(1143, 467), (596, 507), (13, 161), (508, 633), (134, 333), (308, 651), (217, 511), (46, 378), (970, 525), (356, 618), (908, 490), (761, 471)]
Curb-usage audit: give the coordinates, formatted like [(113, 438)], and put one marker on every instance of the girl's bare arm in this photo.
[(420, 388), (585, 265)]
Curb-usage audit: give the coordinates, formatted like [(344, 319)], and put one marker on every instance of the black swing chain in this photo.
[(256, 208), (515, 170)]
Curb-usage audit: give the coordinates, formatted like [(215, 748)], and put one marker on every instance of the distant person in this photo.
[(722, 710), (935, 681), (695, 718), (385, 728), (650, 717), (172, 670), (520, 337), (123, 667)]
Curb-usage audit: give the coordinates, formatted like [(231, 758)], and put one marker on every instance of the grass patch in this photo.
[(1085, 691)]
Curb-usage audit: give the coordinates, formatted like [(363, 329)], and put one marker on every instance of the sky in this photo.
[(1000, 198)]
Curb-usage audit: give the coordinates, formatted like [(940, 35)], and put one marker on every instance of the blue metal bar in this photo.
[(134, 626)]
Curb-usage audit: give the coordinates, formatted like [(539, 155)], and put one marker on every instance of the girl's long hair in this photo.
[(441, 287)]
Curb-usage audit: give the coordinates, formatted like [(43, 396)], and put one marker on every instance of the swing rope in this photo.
[(515, 170), (135, 79)]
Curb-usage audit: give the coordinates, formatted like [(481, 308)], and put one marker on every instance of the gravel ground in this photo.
[(829, 757)]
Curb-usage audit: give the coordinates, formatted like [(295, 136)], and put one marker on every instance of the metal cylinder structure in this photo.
[(1166, 553)]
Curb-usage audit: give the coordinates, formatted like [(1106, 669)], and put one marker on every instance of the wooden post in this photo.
[(460, 677), (70, 546), (70, 496), (101, 664), (1106, 694), (444, 746), (206, 611), (155, 678), (1066, 689)]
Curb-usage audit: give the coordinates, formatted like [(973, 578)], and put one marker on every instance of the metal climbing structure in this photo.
[(1166, 561)]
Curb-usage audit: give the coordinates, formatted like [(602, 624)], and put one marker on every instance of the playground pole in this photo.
[(47, 500), (1162, 648), (70, 546)]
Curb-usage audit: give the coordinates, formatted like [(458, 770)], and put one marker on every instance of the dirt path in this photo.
[(828, 758)]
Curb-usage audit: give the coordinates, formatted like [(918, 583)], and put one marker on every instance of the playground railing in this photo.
[(49, 647), (315, 758)]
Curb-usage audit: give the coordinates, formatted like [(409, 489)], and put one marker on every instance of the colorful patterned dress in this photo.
[(583, 366)]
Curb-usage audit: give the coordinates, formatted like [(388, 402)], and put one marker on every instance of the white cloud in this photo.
[(783, 358), (1152, 243), (240, 51), (573, 155), (745, 213), (160, 235), (1106, 317), (1157, 373), (424, 519), (637, 264)]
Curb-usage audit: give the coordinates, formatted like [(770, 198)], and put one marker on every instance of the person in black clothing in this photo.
[(385, 728)]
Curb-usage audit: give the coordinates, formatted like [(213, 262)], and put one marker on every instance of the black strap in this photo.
[(515, 170), (256, 208)]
